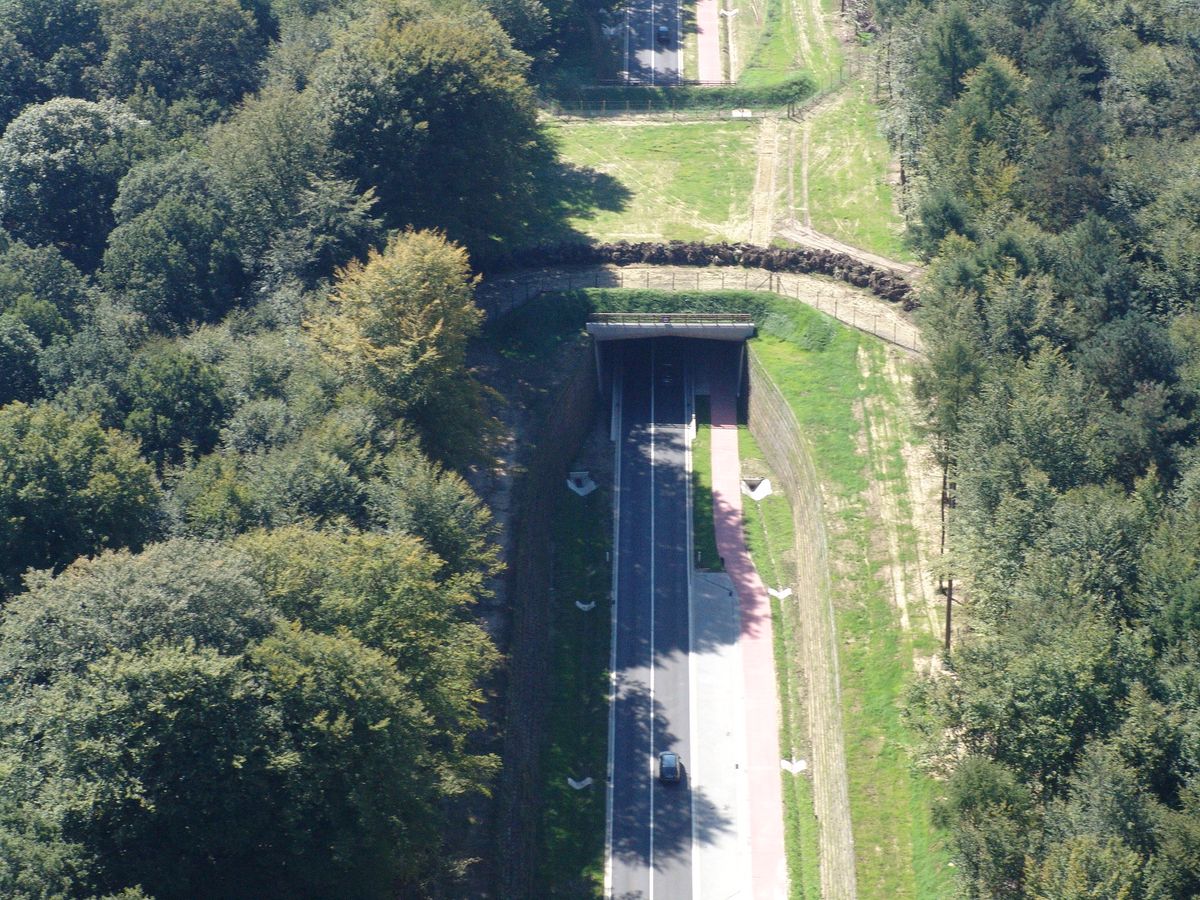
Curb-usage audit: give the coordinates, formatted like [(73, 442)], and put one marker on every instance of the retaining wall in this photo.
[(564, 425), (810, 615)]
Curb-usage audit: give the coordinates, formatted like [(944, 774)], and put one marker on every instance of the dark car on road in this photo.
[(670, 767), (663, 34)]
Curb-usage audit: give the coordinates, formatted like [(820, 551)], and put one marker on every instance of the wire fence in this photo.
[(849, 305)]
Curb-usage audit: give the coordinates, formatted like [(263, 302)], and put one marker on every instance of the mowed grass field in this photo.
[(680, 180), (848, 160)]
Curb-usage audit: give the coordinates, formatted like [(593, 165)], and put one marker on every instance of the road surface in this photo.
[(648, 59), (650, 824)]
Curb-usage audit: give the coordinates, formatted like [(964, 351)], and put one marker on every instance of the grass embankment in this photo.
[(580, 641), (685, 181), (577, 719), (770, 537), (834, 381), (898, 852), (849, 195), (704, 534)]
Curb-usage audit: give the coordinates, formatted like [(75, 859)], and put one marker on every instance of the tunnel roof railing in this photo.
[(679, 318)]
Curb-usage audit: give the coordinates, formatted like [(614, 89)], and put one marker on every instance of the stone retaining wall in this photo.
[(810, 615), (565, 423)]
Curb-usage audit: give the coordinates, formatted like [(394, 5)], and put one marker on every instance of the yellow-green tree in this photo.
[(399, 325)]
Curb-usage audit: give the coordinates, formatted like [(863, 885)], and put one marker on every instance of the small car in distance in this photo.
[(670, 767), (663, 34)]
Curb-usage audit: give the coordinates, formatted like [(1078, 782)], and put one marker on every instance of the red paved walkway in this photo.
[(767, 860), (708, 39)]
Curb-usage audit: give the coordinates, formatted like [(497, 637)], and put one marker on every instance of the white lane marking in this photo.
[(653, 66), (652, 586), (689, 412), (618, 387), (627, 43)]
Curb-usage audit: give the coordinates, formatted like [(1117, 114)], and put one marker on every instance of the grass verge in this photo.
[(685, 181), (577, 720), (704, 532), (770, 534), (779, 38), (792, 87)]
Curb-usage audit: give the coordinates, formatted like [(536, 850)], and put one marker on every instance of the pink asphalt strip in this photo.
[(768, 867), (708, 23)]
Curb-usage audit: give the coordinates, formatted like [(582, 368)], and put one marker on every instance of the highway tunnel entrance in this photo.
[(699, 336)]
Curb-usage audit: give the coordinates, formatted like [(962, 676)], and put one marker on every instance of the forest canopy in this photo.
[(1050, 150), (240, 556)]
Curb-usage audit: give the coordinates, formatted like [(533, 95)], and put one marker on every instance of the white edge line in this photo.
[(618, 385), (652, 591), (689, 437), (653, 66)]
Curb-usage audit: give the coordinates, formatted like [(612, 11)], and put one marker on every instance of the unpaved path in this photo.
[(806, 236), (762, 201)]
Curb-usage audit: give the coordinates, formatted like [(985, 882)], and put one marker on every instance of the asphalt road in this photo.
[(649, 60), (651, 822)]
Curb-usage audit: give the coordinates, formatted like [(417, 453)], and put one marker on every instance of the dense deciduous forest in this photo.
[(238, 558), (1052, 155)]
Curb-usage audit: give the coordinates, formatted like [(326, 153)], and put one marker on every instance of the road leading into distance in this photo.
[(649, 60), (650, 836)]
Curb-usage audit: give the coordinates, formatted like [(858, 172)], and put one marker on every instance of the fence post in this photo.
[(697, 280), (647, 273)]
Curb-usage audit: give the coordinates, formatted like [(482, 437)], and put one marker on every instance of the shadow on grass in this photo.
[(565, 192)]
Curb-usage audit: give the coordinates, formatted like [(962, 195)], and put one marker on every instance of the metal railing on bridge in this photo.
[(680, 318)]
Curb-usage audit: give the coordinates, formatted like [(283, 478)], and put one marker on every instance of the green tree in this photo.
[(414, 495), (390, 593), (201, 49), (949, 50), (174, 258), (174, 593), (1088, 866), (176, 404), (991, 816), (60, 42), (60, 162), (19, 348), (435, 113), (68, 487)]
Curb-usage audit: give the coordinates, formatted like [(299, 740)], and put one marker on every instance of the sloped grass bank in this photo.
[(770, 538)]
